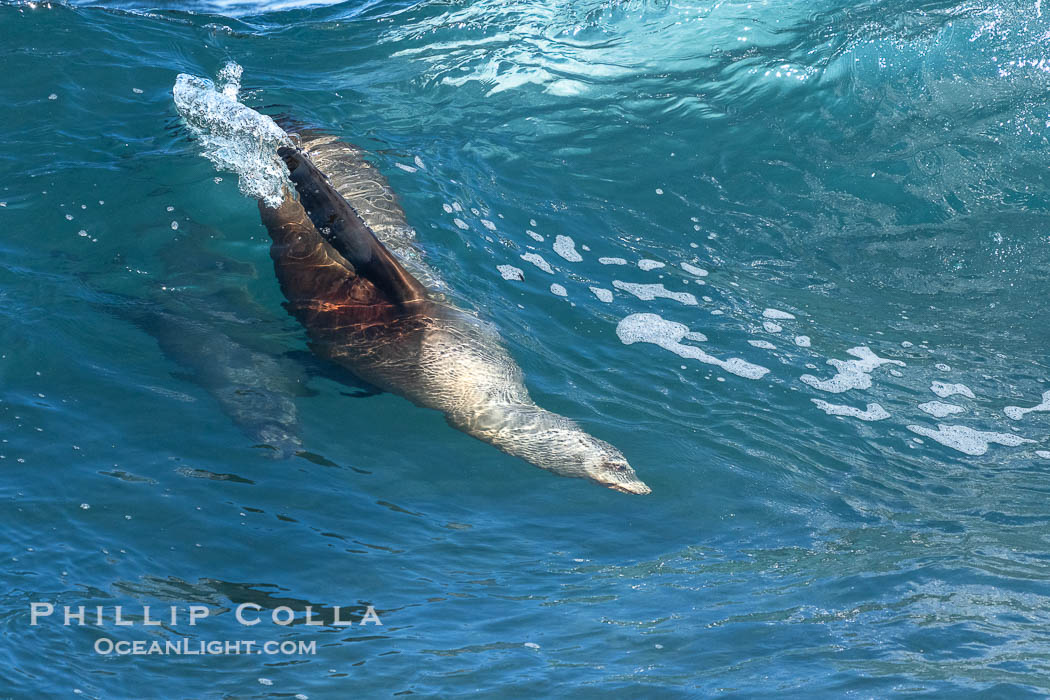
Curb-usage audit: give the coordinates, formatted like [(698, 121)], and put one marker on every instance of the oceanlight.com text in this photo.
[(105, 646)]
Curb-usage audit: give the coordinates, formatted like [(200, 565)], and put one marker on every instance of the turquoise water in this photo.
[(877, 171)]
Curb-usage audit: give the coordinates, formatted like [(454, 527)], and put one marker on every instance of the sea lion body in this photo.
[(209, 339), (256, 390), (368, 310)]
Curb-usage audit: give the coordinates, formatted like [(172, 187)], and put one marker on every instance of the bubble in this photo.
[(967, 440), (872, 412), (566, 248), (651, 328), (1017, 412), (648, 292), (944, 390), (693, 270), (537, 260), (852, 374), (938, 409), (509, 272)]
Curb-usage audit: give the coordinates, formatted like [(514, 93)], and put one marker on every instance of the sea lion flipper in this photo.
[(344, 229), (308, 267)]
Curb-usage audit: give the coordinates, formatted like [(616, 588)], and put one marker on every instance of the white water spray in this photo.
[(234, 137)]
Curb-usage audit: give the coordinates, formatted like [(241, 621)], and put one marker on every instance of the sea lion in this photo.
[(256, 390), (364, 310), (219, 337)]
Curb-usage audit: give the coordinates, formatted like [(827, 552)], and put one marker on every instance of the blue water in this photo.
[(877, 170)]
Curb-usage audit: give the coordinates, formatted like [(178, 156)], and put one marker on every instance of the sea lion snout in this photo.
[(555, 443), (619, 476)]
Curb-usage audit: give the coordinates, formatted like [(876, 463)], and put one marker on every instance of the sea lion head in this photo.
[(554, 443), (601, 463), (559, 445)]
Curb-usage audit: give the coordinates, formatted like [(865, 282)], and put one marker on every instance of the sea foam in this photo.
[(651, 328)]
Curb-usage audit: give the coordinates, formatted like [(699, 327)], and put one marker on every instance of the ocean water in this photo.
[(790, 257)]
